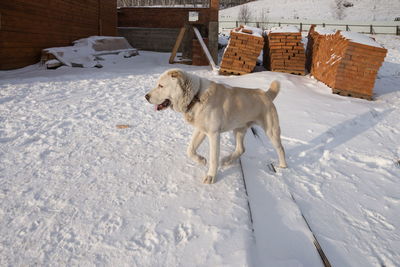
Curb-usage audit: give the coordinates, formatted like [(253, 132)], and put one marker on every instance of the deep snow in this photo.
[(76, 190)]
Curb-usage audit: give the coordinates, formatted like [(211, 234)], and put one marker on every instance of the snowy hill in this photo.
[(330, 10)]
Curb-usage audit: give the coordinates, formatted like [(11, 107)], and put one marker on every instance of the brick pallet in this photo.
[(284, 52), (348, 67), (241, 54)]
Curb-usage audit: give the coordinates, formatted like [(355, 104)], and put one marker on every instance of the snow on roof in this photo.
[(351, 36), (256, 31), (359, 38), (250, 30), (284, 29), (324, 31)]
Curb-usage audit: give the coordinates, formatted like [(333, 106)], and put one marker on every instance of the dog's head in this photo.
[(175, 88)]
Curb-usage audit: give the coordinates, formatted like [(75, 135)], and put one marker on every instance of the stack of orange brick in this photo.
[(244, 47), (345, 61), (284, 50)]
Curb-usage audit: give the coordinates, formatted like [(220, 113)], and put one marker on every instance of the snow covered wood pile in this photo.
[(85, 52), (284, 50), (244, 47), (198, 56), (347, 62)]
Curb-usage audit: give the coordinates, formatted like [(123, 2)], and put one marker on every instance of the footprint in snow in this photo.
[(183, 233)]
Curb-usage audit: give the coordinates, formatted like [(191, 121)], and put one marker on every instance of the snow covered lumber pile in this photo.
[(347, 62), (241, 54), (284, 50), (85, 52)]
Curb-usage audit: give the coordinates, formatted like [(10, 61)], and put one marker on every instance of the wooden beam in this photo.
[(205, 49), (177, 44)]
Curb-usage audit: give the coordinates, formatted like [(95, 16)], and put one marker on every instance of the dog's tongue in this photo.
[(163, 105)]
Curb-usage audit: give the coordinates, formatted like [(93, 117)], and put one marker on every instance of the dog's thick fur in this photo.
[(213, 108)]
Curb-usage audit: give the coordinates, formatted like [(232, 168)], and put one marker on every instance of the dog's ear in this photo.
[(175, 73), (189, 88)]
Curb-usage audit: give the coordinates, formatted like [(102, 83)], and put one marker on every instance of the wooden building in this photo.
[(27, 26), (156, 28)]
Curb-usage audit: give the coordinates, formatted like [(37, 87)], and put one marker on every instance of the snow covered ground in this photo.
[(76, 190)]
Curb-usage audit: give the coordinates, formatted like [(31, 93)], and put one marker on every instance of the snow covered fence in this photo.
[(373, 27)]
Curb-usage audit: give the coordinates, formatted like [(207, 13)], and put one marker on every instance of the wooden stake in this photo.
[(176, 45)]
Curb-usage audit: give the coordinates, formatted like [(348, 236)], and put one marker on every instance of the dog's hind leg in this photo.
[(214, 140), (197, 138), (239, 150), (274, 134)]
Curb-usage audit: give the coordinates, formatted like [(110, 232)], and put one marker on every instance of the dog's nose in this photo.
[(147, 96)]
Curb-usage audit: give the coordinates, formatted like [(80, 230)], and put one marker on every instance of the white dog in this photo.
[(213, 108)]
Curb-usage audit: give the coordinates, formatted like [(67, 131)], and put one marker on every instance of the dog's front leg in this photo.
[(214, 139), (197, 137)]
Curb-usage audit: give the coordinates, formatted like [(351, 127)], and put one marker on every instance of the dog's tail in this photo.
[(273, 90)]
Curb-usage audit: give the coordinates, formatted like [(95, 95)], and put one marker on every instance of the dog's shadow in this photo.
[(335, 136), (313, 150)]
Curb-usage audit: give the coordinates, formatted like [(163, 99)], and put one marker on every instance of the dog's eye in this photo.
[(160, 86)]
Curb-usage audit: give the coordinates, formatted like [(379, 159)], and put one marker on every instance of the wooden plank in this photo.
[(176, 45), (352, 94), (205, 49)]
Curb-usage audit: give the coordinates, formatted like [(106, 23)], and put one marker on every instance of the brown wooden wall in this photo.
[(28, 26), (150, 17)]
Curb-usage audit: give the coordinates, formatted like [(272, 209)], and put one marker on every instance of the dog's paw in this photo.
[(283, 165), (209, 179), (227, 161)]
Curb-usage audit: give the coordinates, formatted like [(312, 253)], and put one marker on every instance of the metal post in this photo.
[(237, 24), (279, 24), (371, 30), (397, 30), (301, 27), (323, 25), (347, 28)]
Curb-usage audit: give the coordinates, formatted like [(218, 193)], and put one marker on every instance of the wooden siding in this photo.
[(27, 26), (162, 17), (151, 39)]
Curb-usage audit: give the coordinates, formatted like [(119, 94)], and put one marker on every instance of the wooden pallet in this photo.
[(295, 72), (352, 94), (231, 72)]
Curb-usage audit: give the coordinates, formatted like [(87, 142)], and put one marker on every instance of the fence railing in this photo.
[(394, 28), (164, 3)]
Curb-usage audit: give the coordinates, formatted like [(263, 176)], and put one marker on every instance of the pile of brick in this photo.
[(284, 50), (198, 56), (345, 61), (241, 54)]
